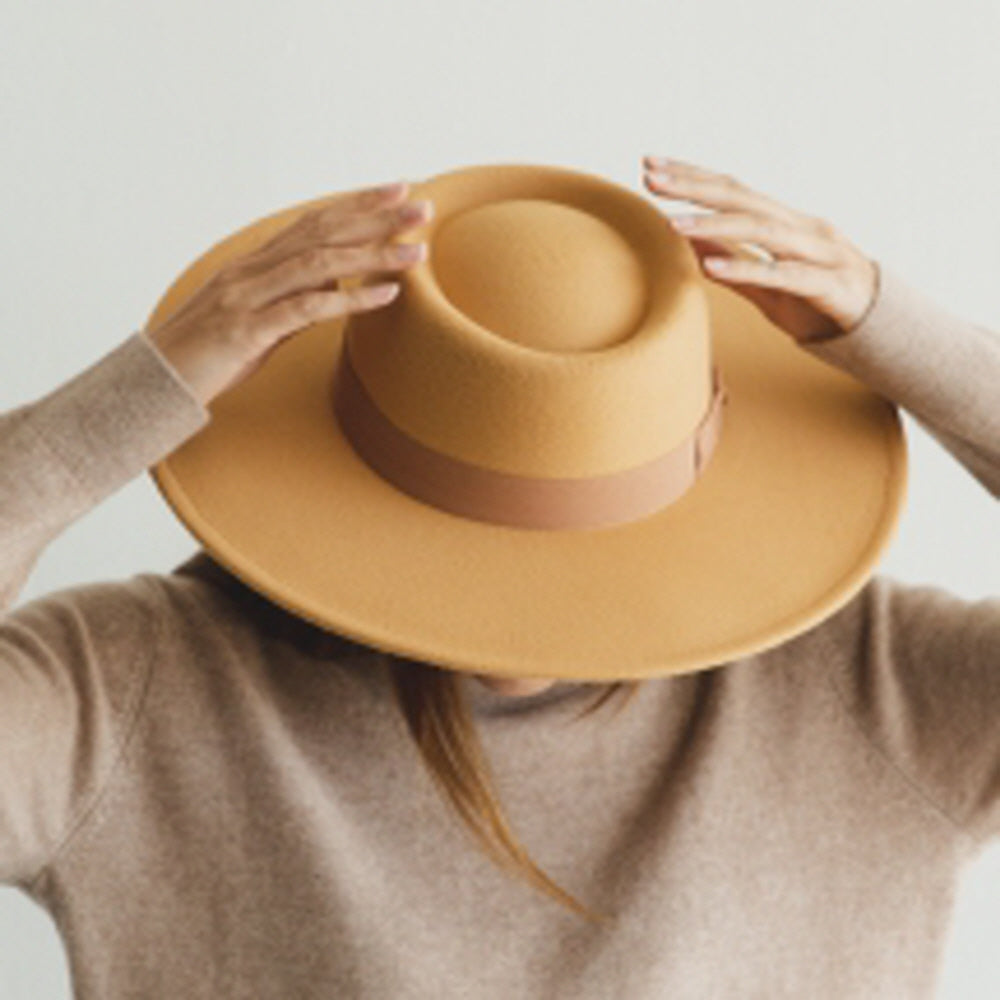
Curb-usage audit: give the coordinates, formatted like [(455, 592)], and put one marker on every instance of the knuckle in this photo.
[(276, 240), (820, 225), (327, 218), (384, 256), (317, 211), (370, 198), (240, 326), (350, 257), (314, 259), (303, 226), (327, 209), (232, 291), (840, 253), (836, 236), (291, 313), (307, 305), (247, 265), (372, 225), (232, 330)]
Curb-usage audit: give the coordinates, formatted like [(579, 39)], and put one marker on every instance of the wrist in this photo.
[(193, 364)]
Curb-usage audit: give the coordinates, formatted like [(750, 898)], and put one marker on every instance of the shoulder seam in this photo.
[(911, 783), (132, 715)]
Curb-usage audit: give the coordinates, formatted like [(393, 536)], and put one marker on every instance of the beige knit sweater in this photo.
[(214, 799)]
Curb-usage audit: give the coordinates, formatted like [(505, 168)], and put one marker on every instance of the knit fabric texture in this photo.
[(215, 799)]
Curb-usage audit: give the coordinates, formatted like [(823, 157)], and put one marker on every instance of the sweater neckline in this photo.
[(485, 701)]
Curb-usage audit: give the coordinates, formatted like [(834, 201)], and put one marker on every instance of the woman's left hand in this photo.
[(817, 285)]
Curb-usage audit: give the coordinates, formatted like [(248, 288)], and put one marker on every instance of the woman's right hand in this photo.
[(225, 330)]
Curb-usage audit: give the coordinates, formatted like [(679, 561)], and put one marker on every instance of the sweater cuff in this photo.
[(116, 418), (892, 342), (940, 366)]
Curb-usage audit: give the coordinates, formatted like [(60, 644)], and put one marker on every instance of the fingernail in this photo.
[(684, 222), (410, 251), (718, 263), (392, 188), (656, 161), (418, 209)]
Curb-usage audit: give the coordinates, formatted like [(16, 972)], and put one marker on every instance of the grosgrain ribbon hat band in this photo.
[(483, 494)]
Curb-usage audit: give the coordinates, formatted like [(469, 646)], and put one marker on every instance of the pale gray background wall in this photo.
[(135, 135)]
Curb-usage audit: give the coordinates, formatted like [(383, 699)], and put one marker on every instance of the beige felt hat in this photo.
[(561, 451)]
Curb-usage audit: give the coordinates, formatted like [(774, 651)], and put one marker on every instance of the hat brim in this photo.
[(784, 526)]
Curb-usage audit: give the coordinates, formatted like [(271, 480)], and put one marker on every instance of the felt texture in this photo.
[(784, 525), (215, 799), (534, 403), (541, 273), (473, 491)]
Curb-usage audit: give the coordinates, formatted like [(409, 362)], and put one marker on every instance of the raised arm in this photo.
[(62, 454), (848, 309), (943, 369), (915, 666), (72, 662)]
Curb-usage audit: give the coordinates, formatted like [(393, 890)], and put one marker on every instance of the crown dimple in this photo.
[(541, 273)]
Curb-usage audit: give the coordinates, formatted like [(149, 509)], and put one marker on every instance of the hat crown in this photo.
[(478, 395), (541, 273)]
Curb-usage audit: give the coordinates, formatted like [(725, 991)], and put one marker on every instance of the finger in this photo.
[(363, 199), (364, 227), (318, 266), (680, 166), (703, 247), (322, 215), (727, 248), (292, 314), (714, 190), (667, 167), (807, 280), (336, 230), (778, 238)]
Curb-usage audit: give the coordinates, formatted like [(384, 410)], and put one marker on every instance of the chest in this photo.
[(732, 860)]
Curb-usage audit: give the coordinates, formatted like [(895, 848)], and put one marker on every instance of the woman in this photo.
[(215, 799)]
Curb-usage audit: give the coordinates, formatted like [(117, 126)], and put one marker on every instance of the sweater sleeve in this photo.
[(941, 368), (72, 661), (922, 678)]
